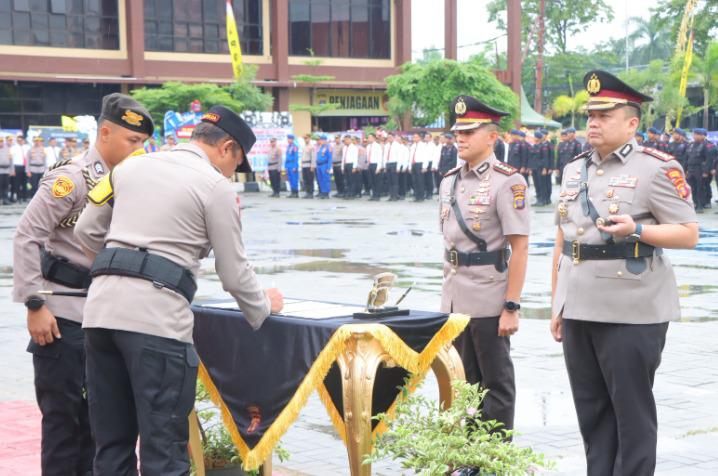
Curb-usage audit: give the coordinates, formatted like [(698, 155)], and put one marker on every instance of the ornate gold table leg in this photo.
[(447, 367), (195, 444), (358, 365)]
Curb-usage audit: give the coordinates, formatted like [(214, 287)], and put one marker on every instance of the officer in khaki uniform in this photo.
[(274, 166), (46, 256), (150, 222), (309, 166), (6, 171), (614, 290), (36, 163), (483, 212)]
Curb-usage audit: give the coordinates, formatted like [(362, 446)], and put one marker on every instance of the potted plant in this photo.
[(454, 441), (221, 457)]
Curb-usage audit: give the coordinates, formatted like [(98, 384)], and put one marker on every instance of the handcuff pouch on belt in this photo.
[(499, 258), (60, 271), (162, 272)]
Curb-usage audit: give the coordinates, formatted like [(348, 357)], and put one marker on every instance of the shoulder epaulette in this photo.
[(59, 164), (452, 171), (505, 168), (581, 155), (659, 154)]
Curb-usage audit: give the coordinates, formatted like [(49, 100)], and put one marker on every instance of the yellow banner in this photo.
[(235, 49), (684, 76), (69, 124)]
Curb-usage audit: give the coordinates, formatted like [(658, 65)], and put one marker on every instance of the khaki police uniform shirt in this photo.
[(5, 160), (176, 205), (36, 160), (495, 203), (309, 156), (48, 222), (629, 181), (274, 162)]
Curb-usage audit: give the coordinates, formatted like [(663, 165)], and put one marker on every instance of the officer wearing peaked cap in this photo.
[(484, 218), (614, 291), (46, 256), (150, 223)]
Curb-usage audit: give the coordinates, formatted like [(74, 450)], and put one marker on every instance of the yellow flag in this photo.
[(235, 49), (69, 124), (684, 76)]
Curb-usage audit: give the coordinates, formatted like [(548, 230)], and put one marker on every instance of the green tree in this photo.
[(175, 96), (426, 89), (705, 73), (313, 80), (653, 40), (564, 105), (562, 18), (705, 24)]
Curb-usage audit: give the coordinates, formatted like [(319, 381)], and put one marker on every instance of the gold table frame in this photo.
[(358, 365)]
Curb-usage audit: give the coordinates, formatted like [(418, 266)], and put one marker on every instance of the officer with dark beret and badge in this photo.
[(678, 148), (654, 140), (699, 162), (614, 290), (150, 222), (48, 257), (484, 217)]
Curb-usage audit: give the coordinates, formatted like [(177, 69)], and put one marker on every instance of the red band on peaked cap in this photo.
[(607, 93)]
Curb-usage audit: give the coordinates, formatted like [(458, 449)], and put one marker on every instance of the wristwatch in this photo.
[(636, 235), (512, 306), (34, 303)]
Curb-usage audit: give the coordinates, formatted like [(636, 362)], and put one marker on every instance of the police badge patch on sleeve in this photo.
[(676, 177), (62, 186), (519, 192)]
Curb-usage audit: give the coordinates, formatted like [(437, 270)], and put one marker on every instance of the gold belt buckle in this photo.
[(576, 252), (454, 258)]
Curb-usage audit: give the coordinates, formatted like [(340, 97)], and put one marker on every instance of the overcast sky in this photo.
[(427, 26)]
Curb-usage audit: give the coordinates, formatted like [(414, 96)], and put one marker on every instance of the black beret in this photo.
[(124, 111), (232, 124)]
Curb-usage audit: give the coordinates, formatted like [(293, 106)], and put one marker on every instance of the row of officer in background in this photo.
[(120, 364), (22, 165), (380, 165), (613, 288)]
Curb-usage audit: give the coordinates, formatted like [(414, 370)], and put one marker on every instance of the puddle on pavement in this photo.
[(687, 290), (349, 222), (406, 233), (317, 253)]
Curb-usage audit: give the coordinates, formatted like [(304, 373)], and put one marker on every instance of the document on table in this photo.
[(305, 309)]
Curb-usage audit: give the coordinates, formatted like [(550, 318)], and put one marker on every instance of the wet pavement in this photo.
[(330, 249)]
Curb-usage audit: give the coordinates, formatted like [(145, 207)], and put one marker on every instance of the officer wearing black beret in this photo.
[(150, 223), (614, 290), (47, 257)]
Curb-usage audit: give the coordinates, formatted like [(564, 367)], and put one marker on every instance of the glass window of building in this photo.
[(340, 28), (60, 23), (199, 26)]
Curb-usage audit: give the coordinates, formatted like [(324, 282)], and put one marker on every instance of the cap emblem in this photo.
[(211, 117), (594, 85), (460, 107), (132, 118)]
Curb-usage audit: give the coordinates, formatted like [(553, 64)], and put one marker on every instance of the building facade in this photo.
[(61, 56)]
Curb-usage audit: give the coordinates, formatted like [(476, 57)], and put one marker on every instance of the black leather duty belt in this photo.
[(581, 252), (498, 258), (163, 273)]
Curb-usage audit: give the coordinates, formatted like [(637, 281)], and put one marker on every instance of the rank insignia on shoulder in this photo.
[(452, 171), (102, 192), (581, 155), (62, 186), (659, 154), (504, 168)]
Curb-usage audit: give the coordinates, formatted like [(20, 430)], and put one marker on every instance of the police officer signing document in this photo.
[(483, 212), (150, 222), (47, 256), (614, 290)]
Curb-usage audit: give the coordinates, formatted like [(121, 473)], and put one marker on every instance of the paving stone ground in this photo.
[(336, 246)]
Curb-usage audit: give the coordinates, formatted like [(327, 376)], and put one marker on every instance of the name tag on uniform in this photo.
[(623, 181), (483, 198)]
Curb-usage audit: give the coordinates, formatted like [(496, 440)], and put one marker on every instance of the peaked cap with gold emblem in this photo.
[(608, 92), (471, 113), (124, 111)]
